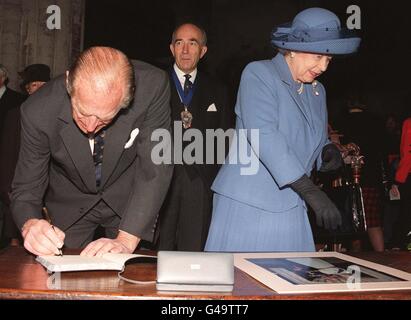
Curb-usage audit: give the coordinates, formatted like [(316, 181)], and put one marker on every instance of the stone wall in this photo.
[(26, 39)]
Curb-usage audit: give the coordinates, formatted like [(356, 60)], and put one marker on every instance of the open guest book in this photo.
[(109, 261)]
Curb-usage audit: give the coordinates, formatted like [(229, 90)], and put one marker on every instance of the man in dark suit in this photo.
[(85, 156), (34, 76), (10, 102), (10, 115), (201, 102), (8, 98)]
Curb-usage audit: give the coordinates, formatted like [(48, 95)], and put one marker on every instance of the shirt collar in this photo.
[(2, 91), (180, 75)]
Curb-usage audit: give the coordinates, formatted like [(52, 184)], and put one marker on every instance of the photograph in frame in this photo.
[(319, 272)]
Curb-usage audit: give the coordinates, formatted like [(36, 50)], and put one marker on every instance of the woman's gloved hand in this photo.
[(331, 158), (326, 212)]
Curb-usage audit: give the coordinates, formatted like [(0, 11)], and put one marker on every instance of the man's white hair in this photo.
[(103, 69)]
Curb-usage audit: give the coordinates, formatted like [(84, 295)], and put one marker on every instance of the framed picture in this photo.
[(315, 272)]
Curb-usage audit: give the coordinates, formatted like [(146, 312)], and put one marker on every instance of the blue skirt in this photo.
[(238, 227)]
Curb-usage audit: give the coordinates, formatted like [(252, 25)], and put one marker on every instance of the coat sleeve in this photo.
[(259, 109), (326, 140), (151, 180), (9, 151), (31, 177), (404, 166)]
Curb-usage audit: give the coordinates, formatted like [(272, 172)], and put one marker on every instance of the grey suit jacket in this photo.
[(56, 168)]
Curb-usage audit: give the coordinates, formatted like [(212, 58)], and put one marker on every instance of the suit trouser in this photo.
[(186, 214), (83, 230)]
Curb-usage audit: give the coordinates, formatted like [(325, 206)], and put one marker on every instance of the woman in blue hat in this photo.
[(281, 98)]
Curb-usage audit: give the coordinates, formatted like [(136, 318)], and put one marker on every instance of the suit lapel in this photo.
[(198, 116), (6, 101), (78, 148), (283, 71), (176, 104), (200, 103), (3, 99), (116, 137), (299, 103)]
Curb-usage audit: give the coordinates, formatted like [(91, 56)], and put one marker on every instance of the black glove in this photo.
[(326, 212), (331, 157)]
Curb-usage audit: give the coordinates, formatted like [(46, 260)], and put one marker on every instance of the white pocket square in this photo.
[(212, 108), (133, 136)]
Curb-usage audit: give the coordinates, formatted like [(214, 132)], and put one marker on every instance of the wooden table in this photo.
[(23, 278)]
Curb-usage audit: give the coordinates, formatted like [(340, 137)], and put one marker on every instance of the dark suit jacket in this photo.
[(9, 139), (181, 227), (10, 99), (9, 151), (208, 91), (56, 167)]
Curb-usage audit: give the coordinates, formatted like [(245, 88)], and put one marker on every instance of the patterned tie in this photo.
[(187, 84), (98, 155)]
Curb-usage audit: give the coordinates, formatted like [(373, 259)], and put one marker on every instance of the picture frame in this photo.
[(320, 272)]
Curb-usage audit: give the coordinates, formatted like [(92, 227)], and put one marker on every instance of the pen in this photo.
[(60, 254), (47, 217)]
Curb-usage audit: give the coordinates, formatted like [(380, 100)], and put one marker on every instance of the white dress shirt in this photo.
[(180, 75), (2, 91)]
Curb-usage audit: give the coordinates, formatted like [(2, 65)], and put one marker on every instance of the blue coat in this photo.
[(292, 132)]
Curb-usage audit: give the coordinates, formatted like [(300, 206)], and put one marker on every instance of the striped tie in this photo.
[(98, 155), (187, 84)]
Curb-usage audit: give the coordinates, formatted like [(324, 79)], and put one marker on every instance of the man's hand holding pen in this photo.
[(60, 251), (42, 238)]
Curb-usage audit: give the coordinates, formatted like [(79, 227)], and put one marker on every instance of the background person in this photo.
[(9, 98), (391, 158), (34, 77), (403, 178), (186, 214), (10, 102), (281, 98)]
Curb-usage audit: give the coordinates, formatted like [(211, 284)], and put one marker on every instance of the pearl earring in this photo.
[(292, 54)]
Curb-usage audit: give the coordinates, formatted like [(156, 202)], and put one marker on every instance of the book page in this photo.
[(120, 258), (109, 261)]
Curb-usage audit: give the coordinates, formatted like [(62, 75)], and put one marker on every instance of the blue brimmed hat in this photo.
[(316, 30)]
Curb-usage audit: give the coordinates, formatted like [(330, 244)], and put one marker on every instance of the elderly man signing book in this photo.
[(86, 156)]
